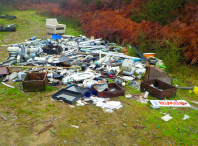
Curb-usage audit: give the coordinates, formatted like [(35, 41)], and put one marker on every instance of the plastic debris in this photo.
[(166, 117), (195, 90), (170, 103), (101, 87), (74, 126), (80, 103), (146, 94), (185, 117), (7, 85), (104, 103), (106, 110), (128, 96)]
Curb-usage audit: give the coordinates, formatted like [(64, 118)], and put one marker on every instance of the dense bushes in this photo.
[(159, 10)]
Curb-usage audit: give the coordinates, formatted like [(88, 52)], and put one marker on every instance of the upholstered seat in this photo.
[(53, 27)]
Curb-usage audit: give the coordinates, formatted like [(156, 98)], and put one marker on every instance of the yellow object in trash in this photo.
[(195, 90), (190, 91)]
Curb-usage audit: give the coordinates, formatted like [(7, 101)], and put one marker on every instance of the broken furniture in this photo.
[(53, 27), (152, 72), (35, 82), (113, 90), (158, 89)]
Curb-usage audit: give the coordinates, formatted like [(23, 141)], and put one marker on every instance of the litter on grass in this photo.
[(185, 117), (84, 66), (170, 103), (166, 118)]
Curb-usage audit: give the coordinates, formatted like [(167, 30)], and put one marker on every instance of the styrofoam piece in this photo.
[(186, 117), (166, 117), (110, 104), (140, 70), (139, 65), (83, 76)]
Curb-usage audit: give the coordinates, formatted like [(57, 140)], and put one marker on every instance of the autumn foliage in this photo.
[(115, 26)]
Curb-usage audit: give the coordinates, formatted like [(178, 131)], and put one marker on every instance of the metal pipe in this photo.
[(186, 88)]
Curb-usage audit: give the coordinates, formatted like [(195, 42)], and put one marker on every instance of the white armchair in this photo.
[(53, 27)]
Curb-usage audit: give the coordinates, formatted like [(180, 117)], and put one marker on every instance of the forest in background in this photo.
[(162, 26)]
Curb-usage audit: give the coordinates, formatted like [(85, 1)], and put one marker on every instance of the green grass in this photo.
[(50, 88), (95, 126)]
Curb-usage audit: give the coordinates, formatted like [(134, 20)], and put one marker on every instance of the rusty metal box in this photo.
[(108, 93), (35, 82), (152, 72), (160, 90)]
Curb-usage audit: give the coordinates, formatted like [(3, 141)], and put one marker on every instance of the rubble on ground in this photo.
[(83, 67)]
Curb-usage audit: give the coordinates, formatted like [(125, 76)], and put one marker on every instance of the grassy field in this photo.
[(24, 114)]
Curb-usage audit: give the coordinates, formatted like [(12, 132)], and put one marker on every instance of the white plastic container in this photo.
[(127, 65)]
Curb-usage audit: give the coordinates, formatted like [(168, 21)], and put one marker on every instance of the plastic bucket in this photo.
[(149, 55)]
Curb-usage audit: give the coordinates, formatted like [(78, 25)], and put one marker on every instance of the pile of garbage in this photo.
[(10, 27), (93, 70)]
